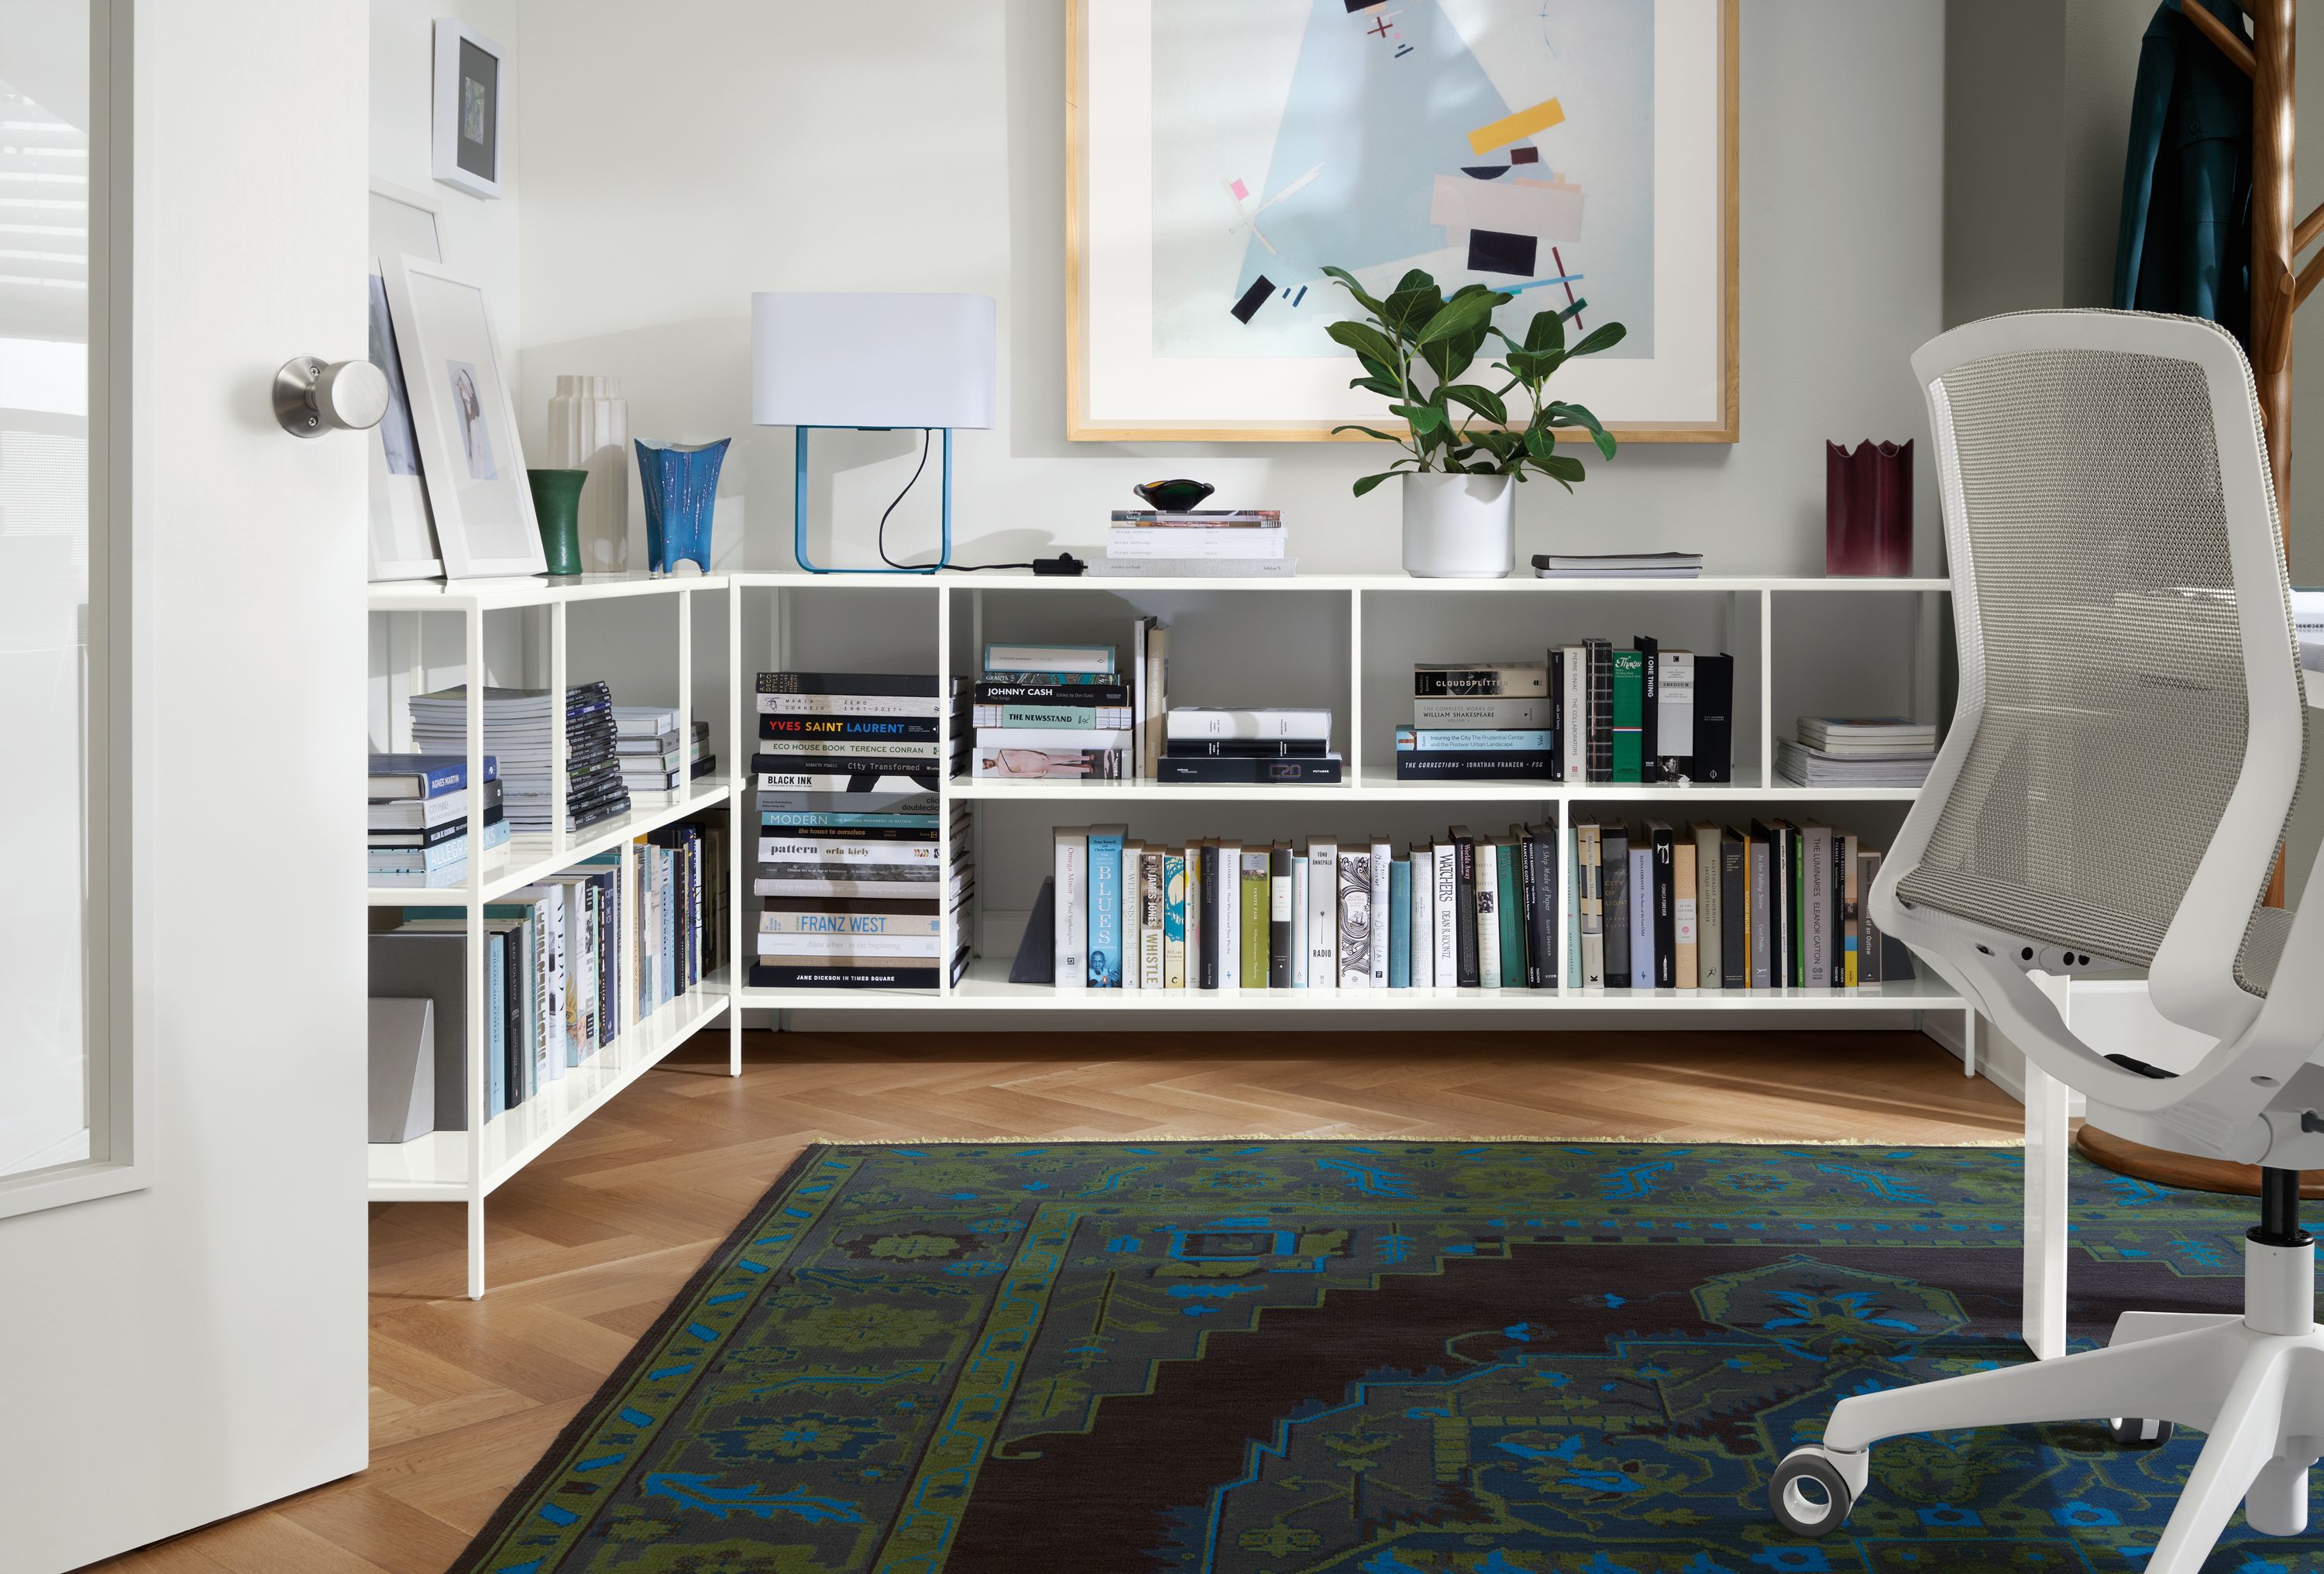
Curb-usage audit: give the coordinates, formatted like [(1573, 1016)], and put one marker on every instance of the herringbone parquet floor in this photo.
[(591, 1241)]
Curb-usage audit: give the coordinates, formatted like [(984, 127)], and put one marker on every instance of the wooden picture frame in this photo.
[(464, 420), (1678, 382)]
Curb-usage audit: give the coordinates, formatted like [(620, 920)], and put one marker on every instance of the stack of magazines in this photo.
[(517, 730), (1618, 565), (1211, 543), (1859, 752)]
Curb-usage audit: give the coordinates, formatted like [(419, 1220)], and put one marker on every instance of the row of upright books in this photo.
[(855, 887), (1774, 905), (558, 956), (1212, 914), (1588, 712), (1645, 906), (418, 830), (1047, 712)]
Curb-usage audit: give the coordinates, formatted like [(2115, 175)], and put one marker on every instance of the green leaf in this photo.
[(1563, 414), (1365, 483), (1366, 342), (1546, 332), (1604, 337), (1461, 315), (1483, 400), (1562, 467), (1379, 386), (1415, 279), (1423, 417), (1407, 308), (1348, 282), (1541, 442), (1369, 432), (1448, 358)]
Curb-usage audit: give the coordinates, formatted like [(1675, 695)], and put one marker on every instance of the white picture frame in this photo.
[(465, 422), (471, 93), (401, 541)]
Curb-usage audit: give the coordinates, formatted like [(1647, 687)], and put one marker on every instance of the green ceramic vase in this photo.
[(557, 506)]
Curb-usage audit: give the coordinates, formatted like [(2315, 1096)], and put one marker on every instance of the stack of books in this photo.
[(1268, 745), (849, 732), (1646, 715), (1618, 565), (853, 894), (1479, 720), (419, 818), (1051, 711), (1221, 543), (1859, 752), (647, 748), (518, 730), (1707, 906), (1459, 911)]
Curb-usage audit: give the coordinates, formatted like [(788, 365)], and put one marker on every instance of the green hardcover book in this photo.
[(1798, 915), (1254, 919), (1630, 715), (1512, 915)]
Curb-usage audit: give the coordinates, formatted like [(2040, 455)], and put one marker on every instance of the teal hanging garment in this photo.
[(2185, 242)]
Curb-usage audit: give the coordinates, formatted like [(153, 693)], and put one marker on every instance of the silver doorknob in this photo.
[(312, 397)]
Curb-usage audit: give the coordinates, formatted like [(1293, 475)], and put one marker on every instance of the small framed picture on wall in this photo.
[(463, 421), (469, 68)]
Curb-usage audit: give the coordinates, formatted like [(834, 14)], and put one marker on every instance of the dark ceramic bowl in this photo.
[(1174, 497)]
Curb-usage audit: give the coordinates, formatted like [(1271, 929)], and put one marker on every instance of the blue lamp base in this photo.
[(799, 510)]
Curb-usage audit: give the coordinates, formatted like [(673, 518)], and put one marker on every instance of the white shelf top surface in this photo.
[(1515, 584), (1378, 784), (440, 595)]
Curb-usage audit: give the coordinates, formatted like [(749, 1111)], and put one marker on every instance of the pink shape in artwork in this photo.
[(1242, 191)]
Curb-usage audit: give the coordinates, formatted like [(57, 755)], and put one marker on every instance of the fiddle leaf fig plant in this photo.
[(1417, 348)]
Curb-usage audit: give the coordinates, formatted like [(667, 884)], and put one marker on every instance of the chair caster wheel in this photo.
[(2131, 1432), (1807, 1494)]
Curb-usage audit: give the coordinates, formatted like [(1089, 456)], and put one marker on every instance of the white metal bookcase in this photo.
[(1746, 607), (467, 1166)]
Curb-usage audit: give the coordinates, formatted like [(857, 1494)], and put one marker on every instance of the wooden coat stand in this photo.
[(2277, 292)]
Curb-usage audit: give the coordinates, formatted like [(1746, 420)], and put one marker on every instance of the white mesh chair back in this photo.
[(2104, 485)]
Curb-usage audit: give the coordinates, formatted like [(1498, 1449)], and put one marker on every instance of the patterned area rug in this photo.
[(1383, 1358)]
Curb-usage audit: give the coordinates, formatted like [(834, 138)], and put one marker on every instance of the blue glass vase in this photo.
[(680, 482)]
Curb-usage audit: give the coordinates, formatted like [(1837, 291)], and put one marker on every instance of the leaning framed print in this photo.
[(403, 223), (1222, 154), (463, 421)]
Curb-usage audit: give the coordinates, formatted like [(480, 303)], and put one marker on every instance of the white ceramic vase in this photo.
[(1460, 527), (589, 429)]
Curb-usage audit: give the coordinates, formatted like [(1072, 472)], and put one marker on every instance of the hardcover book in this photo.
[(1355, 917)]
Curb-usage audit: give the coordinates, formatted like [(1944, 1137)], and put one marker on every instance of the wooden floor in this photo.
[(591, 1241)]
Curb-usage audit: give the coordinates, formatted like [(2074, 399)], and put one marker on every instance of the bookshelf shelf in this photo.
[(435, 1167), (1378, 784), (527, 859)]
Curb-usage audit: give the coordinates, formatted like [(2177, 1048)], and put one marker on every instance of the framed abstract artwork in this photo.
[(1221, 153)]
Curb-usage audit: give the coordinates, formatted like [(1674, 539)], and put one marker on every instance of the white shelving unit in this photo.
[(1370, 627), (467, 1165), (1393, 615)]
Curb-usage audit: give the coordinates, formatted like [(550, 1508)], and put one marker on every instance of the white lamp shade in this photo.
[(870, 360)]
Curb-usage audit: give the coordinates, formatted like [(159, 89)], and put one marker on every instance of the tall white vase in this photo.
[(1460, 527), (589, 429)]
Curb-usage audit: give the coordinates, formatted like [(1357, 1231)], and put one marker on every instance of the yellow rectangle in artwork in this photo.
[(1522, 123)]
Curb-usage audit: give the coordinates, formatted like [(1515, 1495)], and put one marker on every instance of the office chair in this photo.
[(2123, 760)]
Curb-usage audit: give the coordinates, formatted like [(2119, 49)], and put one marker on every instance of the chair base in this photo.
[(2255, 1384)]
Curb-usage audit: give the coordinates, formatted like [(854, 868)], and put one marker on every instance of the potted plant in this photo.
[(1464, 450)]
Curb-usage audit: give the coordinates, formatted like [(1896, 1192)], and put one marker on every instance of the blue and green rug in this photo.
[(1376, 1358)]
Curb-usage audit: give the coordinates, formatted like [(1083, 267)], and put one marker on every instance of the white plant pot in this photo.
[(1460, 527)]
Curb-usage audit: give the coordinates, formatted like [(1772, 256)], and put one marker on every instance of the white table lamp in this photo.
[(874, 363)]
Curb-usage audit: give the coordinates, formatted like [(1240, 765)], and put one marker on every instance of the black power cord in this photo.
[(1064, 563)]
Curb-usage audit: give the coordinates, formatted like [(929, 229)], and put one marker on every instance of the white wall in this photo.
[(799, 148)]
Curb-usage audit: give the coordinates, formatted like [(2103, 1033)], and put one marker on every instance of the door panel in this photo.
[(181, 1352)]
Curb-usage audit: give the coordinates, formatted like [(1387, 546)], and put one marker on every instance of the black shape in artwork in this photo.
[(1356, 6), (1484, 171), (1524, 154), (1493, 251), (1256, 297)]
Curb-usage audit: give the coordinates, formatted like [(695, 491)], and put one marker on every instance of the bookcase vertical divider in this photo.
[(1355, 758), (947, 929), (1766, 688), (559, 729), (741, 942), (479, 1038)]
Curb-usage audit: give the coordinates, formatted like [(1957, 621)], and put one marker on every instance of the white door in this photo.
[(181, 1070)]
